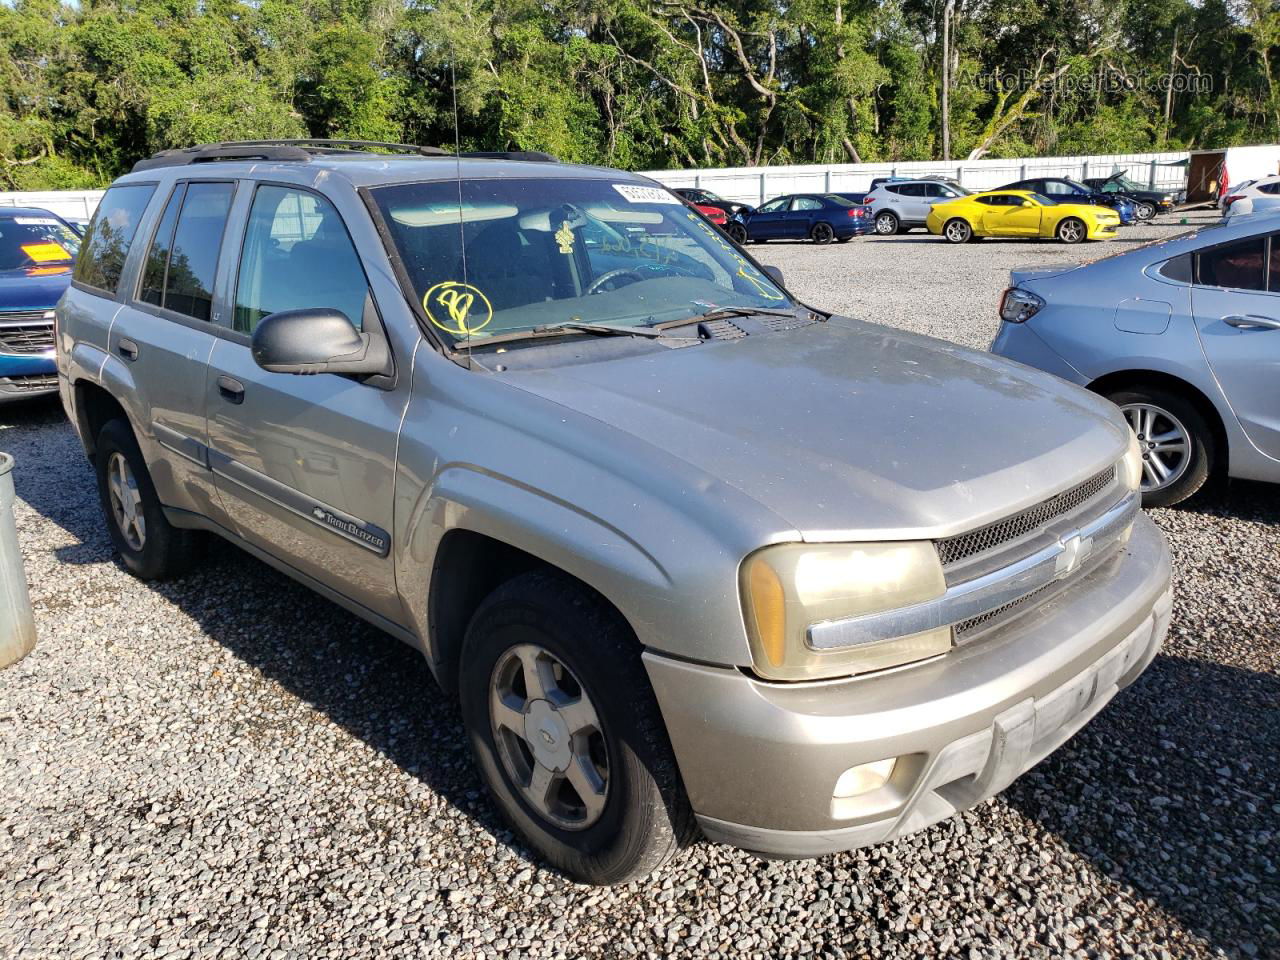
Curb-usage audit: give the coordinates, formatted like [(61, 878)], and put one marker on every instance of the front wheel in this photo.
[(1177, 445), (736, 231), (1072, 230), (958, 231), (822, 233), (886, 224), (566, 732), (1144, 211)]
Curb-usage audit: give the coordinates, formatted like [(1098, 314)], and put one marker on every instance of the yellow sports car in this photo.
[(1020, 213)]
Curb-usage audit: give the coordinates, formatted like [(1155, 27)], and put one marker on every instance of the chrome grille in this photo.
[(31, 382), (26, 332), (963, 546)]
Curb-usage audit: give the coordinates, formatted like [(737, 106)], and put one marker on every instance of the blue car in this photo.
[(820, 217), (37, 252), (1066, 190)]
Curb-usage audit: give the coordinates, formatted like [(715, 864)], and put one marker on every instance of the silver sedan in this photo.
[(1182, 334)]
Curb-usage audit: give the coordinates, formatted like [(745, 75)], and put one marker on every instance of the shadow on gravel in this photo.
[(1172, 791), (1242, 499)]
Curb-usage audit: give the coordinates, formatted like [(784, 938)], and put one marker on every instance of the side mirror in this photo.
[(317, 341), (775, 274), (1027, 203)]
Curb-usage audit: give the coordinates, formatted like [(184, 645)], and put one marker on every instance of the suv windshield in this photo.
[(485, 257), (36, 241)]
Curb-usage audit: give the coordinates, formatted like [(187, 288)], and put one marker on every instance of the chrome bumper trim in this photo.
[(986, 593)]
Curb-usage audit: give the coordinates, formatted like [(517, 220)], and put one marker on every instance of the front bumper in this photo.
[(760, 760), (27, 375)]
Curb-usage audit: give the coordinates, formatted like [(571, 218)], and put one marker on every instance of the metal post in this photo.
[(827, 188), (17, 626), (762, 193), (1151, 180)]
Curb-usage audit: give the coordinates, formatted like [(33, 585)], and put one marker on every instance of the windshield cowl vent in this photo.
[(720, 330), (786, 323)]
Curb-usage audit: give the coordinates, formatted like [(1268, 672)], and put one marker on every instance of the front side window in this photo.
[(1240, 265), (1056, 188), (775, 206), (297, 255), (106, 243), (35, 241), (183, 258), (520, 254)]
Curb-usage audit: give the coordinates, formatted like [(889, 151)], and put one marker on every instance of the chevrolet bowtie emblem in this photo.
[(1074, 550)]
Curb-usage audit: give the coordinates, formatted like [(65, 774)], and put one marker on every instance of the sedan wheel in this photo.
[(886, 224), (822, 233), (1144, 211), (957, 231), (1072, 230), (1165, 445), (737, 232), (1177, 444)]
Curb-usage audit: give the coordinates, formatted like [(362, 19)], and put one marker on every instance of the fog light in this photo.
[(864, 778)]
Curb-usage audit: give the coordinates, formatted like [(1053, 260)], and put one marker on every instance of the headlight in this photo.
[(1018, 305), (1131, 465), (788, 588)]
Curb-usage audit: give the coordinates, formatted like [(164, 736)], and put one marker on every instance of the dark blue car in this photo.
[(820, 217), (1066, 190), (37, 251)]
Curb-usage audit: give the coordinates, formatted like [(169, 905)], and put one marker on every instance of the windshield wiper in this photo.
[(722, 313), (568, 327)]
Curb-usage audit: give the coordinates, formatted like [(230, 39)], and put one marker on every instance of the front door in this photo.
[(163, 335), (1236, 303), (1006, 216), (769, 220), (305, 465)]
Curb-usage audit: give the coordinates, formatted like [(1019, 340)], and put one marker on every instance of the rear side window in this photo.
[(1178, 269), (806, 203), (106, 242), (1240, 265), (297, 255), (183, 259)]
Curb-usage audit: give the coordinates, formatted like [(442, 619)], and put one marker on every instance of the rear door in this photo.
[(163, 335), (805, 212), (1236, 303), (305, 464)]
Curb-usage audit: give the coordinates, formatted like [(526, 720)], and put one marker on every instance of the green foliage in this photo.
[(89, 87)]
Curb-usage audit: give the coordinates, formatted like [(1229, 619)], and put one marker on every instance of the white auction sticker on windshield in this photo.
[(36, 221), (638, 194)]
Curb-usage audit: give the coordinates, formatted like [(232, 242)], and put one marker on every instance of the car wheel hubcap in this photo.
[(1146, 212), (1164, 442), (1071, 232), (956, 232), (884, 224), (549, 737), (822, 233), (126, 502)]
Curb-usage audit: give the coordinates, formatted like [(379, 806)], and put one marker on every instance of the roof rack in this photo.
[(304, 150)]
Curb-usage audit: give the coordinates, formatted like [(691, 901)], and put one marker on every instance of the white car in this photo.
[(900, 205), (1253, 196)]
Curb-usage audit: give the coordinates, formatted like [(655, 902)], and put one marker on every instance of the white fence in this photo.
[(74, 204), (1161, 171)]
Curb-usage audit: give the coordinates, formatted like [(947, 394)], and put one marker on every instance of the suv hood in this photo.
[(848, 430), (33, 288)]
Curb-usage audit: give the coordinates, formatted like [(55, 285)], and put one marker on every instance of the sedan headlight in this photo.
[(788, 588), (1018, 305), (1131, 465)]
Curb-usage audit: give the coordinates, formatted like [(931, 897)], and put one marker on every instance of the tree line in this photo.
[(88, 88)]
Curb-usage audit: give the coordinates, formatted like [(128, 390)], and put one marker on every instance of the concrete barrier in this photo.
[(17, 626)]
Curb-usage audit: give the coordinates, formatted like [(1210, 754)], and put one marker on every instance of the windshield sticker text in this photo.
[(638, 194), (457, 308), (648, 248)]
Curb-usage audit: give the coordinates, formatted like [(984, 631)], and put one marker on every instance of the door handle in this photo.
[(127, 349), (1251, 322), (232, 390)]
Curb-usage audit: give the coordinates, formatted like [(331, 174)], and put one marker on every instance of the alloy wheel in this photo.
[(126, 502), (1165, 444), (1144, 211), (549, 737), (957, 231), (1071, 231), (822, 233), (737, 232), (886, 224)]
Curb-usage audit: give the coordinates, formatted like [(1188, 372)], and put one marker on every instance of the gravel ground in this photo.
[(229, 766)]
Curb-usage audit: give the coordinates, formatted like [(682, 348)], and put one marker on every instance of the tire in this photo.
[(643, 815), (843, 239), (737, 232), (1072, 230), (886, 224), (1169, 413), (957, 230), (822, 233), (149, 546), (1143, 212)]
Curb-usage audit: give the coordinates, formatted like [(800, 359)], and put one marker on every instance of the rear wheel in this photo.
[(886, 224), (1072, 230), (566, 732), (958, 231), (736, 231), (822, 233), (150, 547), (1177, 443)]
